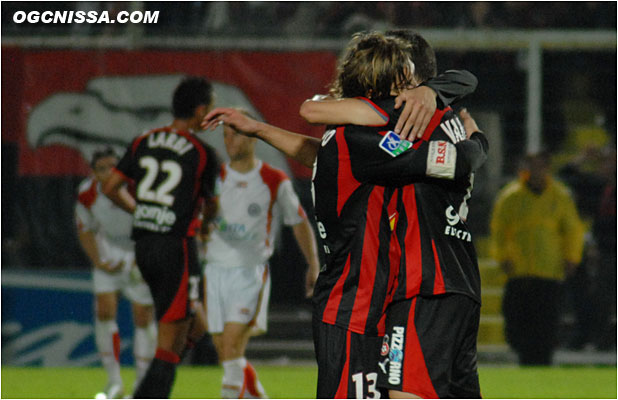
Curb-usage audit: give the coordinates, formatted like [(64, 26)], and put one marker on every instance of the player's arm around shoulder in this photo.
[(325, 110)]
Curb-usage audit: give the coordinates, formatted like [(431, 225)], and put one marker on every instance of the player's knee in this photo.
[(232, 349), (142, 315), (105, 313)]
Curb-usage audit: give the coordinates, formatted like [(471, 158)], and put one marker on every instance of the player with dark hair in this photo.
[(104, 232), (356, 177), (438, 285), (174, 173)]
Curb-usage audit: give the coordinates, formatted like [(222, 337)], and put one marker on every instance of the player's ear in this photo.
[(201, 110)]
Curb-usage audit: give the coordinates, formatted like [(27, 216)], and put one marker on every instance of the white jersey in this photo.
[(111, 225), (252, 207)]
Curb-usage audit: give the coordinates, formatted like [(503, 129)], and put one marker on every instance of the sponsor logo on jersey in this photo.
[(383, 365), (392, 219), (385, 347), (458, 233), (395, 355), (441, 158), (393, 144), (254, 209), (328, 136), (154, 218), (453, 218)]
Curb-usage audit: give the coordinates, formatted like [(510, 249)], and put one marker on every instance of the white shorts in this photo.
[(237, 294), (129, 282)]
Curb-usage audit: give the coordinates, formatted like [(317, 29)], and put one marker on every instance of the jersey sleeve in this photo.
[(211, 172), (291, 210), (452, 86), (389, 161)]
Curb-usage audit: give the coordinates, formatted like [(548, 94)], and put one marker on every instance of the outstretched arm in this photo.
[(301, 148)]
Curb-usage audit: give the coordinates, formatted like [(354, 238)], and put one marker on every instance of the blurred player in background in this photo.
[(174, 173), (354, 217), (255, 199), (104, 233)]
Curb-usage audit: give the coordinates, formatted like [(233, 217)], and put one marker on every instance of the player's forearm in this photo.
[(453, 85), (123, 199), (113, 188), (89, 244), (472, 154), (307, 243), (301, 148), (329, 111)]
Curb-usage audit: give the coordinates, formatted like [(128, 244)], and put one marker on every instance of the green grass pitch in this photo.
[(298, 382)]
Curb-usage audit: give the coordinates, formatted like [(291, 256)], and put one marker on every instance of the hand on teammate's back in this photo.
[(419, 105), (469, 122)]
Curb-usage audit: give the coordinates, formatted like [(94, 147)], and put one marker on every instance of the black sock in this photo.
[(159, 379)]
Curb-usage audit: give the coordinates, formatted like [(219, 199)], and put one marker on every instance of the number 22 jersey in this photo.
[(172, 170)]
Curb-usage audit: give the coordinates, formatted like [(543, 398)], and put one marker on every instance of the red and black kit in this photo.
[(173, 171)]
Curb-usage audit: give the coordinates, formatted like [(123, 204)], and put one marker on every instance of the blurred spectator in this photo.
[(536, 236)]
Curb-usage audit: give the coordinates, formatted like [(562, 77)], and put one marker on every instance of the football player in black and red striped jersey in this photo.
[(174, 174), (353, 220), (438, 283)]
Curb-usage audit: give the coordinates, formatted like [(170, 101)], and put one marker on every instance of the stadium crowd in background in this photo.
[(104, 232), (537, 238), (335, 18), (255, 200), (174, 174)]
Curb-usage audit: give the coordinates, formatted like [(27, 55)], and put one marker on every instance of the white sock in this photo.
[(106, 333), (144, 346), (233, 377)]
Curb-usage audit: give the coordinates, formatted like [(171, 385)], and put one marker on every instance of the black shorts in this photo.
[(430, 347), (347, 363), (171, 269)]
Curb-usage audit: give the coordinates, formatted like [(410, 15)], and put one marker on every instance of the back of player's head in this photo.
[(191, 93), (423, 56), (103, 152), (372, 65)]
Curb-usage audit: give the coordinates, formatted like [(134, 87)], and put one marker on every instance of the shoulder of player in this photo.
[(510, 190), (272, 175), (385, 107), (87, 192)]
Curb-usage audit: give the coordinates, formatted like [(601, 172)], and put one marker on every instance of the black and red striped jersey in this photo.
[(172, 171), (357, 181), (437, 252)]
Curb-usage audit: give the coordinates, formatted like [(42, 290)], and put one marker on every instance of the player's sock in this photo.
[(144, 345), (233, 378), (158, 381), (108, 344), (254, 388)]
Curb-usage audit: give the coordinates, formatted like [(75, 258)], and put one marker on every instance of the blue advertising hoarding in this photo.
[(48, 320)]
